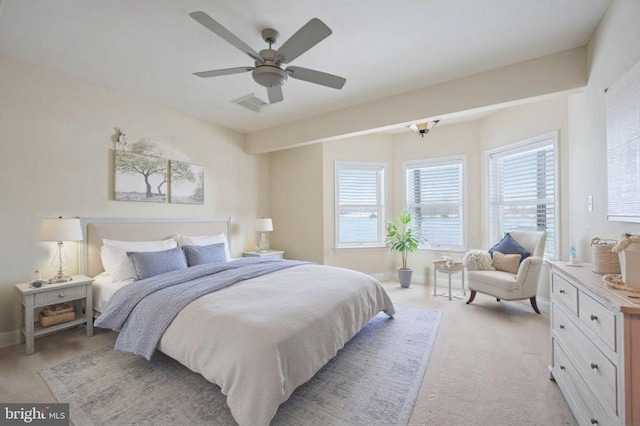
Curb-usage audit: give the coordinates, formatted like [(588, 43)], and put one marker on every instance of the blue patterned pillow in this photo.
[(199, 255), (150, 263), (508, 245)]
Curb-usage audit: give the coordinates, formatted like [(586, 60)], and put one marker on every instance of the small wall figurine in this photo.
[(121, 143)]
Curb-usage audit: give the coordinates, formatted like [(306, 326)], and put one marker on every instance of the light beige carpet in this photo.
[(488, 365)]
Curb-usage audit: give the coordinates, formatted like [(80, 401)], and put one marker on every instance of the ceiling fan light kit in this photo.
[(268, 70)]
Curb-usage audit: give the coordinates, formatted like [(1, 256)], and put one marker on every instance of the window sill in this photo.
[(444, 249), (361, 246)]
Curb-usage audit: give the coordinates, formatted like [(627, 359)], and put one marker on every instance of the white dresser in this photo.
[(595, 347)]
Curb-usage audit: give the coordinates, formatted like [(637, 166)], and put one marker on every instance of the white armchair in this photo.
[(508, 286)]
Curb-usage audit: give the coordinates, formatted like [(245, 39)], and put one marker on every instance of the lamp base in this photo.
[(263, 245)]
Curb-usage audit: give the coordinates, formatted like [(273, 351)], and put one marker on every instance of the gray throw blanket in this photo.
[(142, 311)]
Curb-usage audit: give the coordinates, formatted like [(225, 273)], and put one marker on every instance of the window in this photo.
[(522, 190), (360, 199), (435, 199)]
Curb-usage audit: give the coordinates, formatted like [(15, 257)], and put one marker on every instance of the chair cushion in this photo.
[(478, 260), (508, 245), (499, 279), (506, 262)]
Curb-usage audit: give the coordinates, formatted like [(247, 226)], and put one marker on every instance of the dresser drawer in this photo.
[(564, 292), (58, 296), (600, 320), (586, 403), (597, 371)]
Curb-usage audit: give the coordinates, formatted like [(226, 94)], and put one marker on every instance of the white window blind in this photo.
[(360, 200), (522, 190), (435, 199), (623, 147)]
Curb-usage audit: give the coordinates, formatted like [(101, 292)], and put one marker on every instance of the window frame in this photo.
[(517, 148), (436, 162), (381, 169)]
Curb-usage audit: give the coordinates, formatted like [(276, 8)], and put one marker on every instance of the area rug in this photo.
[(374, 379)]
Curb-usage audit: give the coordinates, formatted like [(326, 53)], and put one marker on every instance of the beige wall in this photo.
[(296, 202), (371, 148), (55, 141), (613, 49), (457, 139)]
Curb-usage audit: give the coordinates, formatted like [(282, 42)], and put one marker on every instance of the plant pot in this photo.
[(404, 276)]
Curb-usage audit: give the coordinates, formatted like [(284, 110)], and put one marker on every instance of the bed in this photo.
[(260, 338)]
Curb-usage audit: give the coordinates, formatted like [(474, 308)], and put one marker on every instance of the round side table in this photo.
[(449, 269)]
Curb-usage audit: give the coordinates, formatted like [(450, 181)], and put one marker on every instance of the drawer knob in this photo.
[(594, 318), (561, 327), (594, 422), (594, 366), (562, 367), (61, 295), (561, 291)]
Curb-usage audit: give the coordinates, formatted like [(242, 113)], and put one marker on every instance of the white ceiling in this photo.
[(149, 48)]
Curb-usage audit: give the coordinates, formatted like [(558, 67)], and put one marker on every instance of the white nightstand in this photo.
[(78, 289), (271, 253)]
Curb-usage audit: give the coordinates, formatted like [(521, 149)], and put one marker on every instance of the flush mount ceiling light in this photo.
[(423, 128)]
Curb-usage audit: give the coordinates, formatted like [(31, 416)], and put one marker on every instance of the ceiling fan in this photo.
[(269, 70)]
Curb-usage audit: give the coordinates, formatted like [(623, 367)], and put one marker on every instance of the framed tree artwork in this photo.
[(140, 177), (186, 183)]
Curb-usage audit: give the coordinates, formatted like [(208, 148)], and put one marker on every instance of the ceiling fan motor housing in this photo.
[(269, 76)]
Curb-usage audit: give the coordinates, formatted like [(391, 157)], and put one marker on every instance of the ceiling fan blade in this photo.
[(317, 77), (225, 71), (224, 34), (311, 33), (275, 94)]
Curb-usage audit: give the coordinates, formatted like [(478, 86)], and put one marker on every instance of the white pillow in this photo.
[(478, 260), (205, 240), (116, 262)]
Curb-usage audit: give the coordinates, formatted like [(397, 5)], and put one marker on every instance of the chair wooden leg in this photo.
[(472, 296), (498, 299), (534, 305)]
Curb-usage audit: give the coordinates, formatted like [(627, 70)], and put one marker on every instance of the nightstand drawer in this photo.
[(58, 296)]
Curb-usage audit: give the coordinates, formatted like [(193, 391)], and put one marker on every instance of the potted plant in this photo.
[(400, 234)]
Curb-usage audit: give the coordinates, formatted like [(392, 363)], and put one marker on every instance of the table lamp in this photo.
[(264, 225), (60, 230)]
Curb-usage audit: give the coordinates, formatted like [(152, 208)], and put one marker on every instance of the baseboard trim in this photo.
[(383, 276), (9, 338)]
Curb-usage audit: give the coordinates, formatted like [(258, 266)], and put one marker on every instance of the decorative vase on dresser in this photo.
[(595, 346)]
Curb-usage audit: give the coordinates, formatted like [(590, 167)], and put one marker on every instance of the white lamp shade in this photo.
[(264, 225), (60, 230)]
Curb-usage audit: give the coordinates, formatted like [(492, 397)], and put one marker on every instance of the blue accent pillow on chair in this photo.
[(508, 245), (200, 255), (150, 263)]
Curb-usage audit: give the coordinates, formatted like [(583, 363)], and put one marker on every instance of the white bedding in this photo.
[(262, 338), (103, 288)]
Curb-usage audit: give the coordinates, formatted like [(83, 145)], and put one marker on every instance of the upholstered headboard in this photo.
[(127, 229)]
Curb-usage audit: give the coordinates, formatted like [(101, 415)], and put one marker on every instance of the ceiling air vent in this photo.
[(250, 102)]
